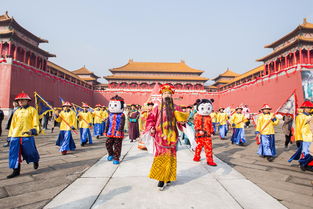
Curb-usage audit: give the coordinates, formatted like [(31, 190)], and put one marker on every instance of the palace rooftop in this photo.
[(172, 67)]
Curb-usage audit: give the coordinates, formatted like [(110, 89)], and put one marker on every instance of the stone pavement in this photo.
[(198, 186), (35, 188), (284, 181)]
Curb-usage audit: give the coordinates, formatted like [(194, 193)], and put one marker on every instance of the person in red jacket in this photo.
[(204, 130)]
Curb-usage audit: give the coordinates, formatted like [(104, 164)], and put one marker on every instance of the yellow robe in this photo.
[(262, 120), (164, 162), (238, 119), (99, 116), (302, 131), (69, 117), (84, 118), (222, 118), (23, 120), (105, 114), (213, 116)]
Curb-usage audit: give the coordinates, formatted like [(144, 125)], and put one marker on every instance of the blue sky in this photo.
[(208, 35)]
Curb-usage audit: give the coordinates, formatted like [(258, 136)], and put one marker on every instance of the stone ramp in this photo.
[(198, 186)]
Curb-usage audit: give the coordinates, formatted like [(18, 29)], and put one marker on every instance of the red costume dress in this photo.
[(204, 123)]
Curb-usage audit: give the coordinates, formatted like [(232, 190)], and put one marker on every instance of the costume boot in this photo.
[(16, 172), (36, 165)]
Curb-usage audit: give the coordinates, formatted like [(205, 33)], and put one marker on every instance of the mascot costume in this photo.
[(114, 129), (204, 130)]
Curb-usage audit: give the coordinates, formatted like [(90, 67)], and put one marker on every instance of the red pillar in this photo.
[(15, 53), (9, 50), (28, 61), (275, 66), (24, 56), (300, 55), (294, 58), (1, 44), (286, 62), (36, 61), (309, 56)]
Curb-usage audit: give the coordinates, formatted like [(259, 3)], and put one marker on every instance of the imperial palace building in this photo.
[(145, 75), (24, 66)]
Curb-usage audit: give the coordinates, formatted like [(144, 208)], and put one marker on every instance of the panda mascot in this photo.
[(204, 130), (114, 129)]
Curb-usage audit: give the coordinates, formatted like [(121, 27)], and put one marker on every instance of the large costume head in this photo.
[(116, 104), (204, 106)]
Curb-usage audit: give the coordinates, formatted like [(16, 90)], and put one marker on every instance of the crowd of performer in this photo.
[(157, 127)]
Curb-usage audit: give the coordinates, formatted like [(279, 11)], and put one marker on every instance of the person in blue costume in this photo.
[(98, 119), (85, 123), (265, 129), (214, 122), (222, 120), (114, 129), (68, 122), (303, 135), (105, 117), (237, 121), (24, 126)]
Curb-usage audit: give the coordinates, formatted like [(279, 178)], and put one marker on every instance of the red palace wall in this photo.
[(180, 98), (20, 77), (273, 90), (5, 85)]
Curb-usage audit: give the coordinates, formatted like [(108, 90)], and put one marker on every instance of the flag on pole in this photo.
[(77, 108), (42, 105), (62, 100), (290, 106), (90, 109)]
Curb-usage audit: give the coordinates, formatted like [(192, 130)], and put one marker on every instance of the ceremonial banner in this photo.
[(289, 107), (77, 108), (62, 100), (307, 84), (42, 105)]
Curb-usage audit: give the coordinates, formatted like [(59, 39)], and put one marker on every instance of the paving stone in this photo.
[(291, 204), (60, 172), (285, 181), (53, 171), (30, 197), (3, 192), (20, 179), (36, 205), (282, 194), (42, 184)]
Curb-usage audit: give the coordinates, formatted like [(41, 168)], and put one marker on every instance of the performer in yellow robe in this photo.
[(85, 123), (213, 115), (222, 119), (162, 126), (98, 119), (237, 120), (265, 128), (67, 118), (24, 126), (105, 116), (303, 135)]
